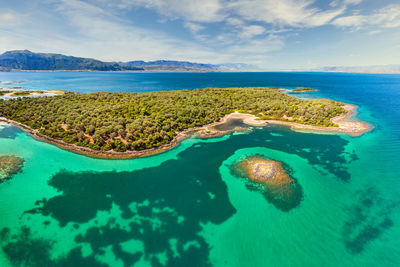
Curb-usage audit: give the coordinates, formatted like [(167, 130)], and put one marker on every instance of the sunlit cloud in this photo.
[(387, 17), (200, 11)]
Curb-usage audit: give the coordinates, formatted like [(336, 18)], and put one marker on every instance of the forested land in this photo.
[(138, 121)]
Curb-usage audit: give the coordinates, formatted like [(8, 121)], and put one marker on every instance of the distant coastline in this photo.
[(204, 71)]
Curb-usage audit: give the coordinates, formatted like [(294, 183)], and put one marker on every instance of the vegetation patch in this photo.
[(138, 121), (5, 92), (26, 93), (303, 90)]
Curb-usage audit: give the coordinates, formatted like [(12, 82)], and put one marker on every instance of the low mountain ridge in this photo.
[(27, 60), (171, 65), (24, 60)]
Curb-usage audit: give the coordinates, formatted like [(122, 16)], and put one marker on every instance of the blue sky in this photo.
[(272, 34)]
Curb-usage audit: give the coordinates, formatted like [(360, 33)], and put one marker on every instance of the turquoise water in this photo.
[(186, 207)]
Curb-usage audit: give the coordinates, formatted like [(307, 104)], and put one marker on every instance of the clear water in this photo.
[(185, 207), (230, 125)]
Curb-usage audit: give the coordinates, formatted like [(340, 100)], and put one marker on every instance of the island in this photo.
[(126, 125), (298, 90), (9, 165), (303, 90), (269, 177)]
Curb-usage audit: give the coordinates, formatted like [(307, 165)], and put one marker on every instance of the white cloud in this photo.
[(251, 31), (335, 3), (199, 11), (296, 13), (323, 18), (193, 27), (6, 18), (285, 12), (350, 21), (234, 21), (256, 52), (352, 2), (9, 18), (387, 17)]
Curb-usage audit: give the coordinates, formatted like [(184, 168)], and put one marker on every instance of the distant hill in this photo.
[(394, 68), (27, 60), (170, 65), (238, 67)]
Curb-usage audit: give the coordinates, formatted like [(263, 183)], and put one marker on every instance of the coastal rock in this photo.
[(270, 178), (9, 165)]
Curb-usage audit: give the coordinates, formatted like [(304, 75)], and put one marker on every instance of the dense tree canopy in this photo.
[(137, 121)]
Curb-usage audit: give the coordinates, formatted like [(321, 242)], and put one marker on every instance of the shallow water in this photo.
[(230, 124), (186, 207)]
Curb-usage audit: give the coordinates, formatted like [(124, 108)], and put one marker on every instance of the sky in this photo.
[(270, 34)]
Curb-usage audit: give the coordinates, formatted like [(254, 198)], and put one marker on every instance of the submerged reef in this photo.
[(271, 178), (9, 165)]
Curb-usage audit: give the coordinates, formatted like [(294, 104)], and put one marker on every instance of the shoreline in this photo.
[(346, 126), (86, 151), (11, 94)]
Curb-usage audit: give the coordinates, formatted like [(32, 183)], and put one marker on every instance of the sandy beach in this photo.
[(346, 125), (14, 93)]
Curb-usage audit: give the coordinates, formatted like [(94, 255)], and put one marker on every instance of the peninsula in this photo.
[(126, 125)]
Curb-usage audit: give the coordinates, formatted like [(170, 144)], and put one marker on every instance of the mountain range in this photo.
[(25, 60)]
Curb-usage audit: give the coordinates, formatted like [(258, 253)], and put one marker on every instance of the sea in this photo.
[(187, 207)]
